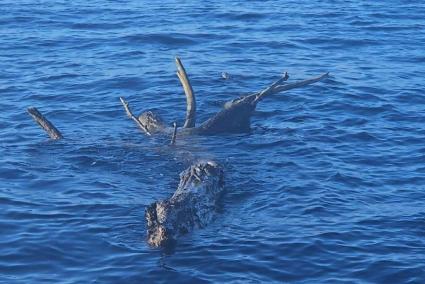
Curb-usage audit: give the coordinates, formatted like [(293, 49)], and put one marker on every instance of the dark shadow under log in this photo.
[(44, 123), (192, 205)]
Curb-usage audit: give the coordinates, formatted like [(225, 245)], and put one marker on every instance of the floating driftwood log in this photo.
[(235, 117), (194, 202), (191, 206)]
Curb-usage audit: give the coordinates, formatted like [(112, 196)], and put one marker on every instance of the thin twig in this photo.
[(50, 129), (190, 96), (173, 138), (133, 117)]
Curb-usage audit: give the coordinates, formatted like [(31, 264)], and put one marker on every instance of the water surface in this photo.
[(327, 188)]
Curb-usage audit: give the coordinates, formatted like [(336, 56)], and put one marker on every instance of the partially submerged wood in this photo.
[(44, 123), (235, 117), (192, 205), (133, 117), (190, 96), (173, 138)]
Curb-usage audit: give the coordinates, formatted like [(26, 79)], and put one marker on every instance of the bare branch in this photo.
[(277, 88), (272, 86), (45, 124), (173, 138), (133, 117), (190, 96)]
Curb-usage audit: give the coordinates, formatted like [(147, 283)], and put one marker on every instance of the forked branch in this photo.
[(269, 89), (50, 129), (277, 87), (190, 96), (133, 117)]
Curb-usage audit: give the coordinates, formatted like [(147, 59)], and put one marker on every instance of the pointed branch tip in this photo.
[(133, 117), (190, 95)]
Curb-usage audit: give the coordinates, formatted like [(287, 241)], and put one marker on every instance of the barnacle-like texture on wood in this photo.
[(192, 205)]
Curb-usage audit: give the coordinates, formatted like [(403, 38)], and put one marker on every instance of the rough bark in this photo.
[(192, 205), (50, 129)]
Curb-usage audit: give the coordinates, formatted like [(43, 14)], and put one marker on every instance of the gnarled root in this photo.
[(192, 205)]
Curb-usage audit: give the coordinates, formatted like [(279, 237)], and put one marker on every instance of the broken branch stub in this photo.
[(236, 115), (282, 88), (192, 205), (173, 138), (190, 96), (50, 129)]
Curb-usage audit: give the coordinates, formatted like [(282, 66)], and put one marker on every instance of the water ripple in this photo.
[(327, 186)]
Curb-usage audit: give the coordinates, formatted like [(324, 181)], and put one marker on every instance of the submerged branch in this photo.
[(269, 89), (173, 138), (133, 117), (281, 88), (277, 88), (50, 129), (190, 96)]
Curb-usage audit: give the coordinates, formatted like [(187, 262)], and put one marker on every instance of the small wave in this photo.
[(162, 39)]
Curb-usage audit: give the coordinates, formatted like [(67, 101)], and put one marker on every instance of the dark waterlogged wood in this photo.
[(193, 204), (44, 123), (173, 138), (235, 117)]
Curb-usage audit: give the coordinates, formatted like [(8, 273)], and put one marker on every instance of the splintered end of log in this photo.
[(133, 117), (190, 96), (173, 138), (50, 129)]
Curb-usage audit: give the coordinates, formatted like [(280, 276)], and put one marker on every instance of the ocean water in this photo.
[(328, 187)]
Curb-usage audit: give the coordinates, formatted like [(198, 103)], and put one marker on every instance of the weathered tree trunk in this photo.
[(191, 206)]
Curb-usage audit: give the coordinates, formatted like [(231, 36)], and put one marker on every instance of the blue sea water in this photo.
[(329, 186)]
